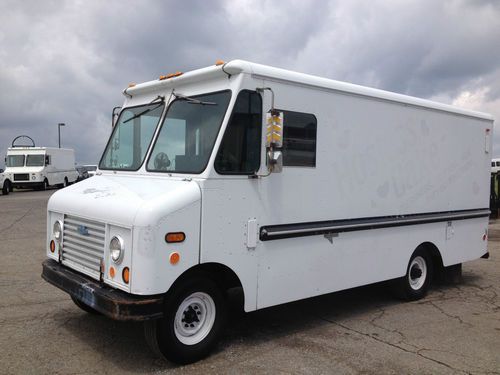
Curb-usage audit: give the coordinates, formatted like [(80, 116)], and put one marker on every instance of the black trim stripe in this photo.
[(275, 232)]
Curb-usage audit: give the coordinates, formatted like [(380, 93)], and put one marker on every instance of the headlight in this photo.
[(57, 231), (116, 249)]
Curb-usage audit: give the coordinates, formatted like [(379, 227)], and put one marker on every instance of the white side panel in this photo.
[(467, 241), (301, 267), (228, 206)]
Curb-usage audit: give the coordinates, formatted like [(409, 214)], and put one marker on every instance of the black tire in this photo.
[(173, 341), (45, 185), (415, 284), (85, 307), (6, 188), (64, 184)]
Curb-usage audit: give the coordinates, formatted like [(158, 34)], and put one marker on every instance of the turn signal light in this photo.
[(52, 246), (219, 62), (126, 275), (131, 84), (174, 258), (112, 272), (173, 237)]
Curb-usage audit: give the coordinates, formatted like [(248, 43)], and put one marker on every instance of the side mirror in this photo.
[(275, 161), (274, 128), (274, 140), (47, 160)]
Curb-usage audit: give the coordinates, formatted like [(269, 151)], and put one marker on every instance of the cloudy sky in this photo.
[(68, 61)]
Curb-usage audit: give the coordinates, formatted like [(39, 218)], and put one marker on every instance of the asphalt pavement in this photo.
[(455, 329)]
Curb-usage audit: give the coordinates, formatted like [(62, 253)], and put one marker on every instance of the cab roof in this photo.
[(259, 71)]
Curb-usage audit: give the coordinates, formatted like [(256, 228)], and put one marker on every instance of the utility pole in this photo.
[(59, 131)]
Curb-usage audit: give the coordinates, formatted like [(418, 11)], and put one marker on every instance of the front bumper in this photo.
[(113, 303)]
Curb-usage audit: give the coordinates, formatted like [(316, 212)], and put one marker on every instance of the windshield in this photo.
[(188, 133), (35, 160), (131, 137), (15, 160)]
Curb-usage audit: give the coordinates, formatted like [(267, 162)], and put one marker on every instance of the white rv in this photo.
[(244, 175), (39, 167)]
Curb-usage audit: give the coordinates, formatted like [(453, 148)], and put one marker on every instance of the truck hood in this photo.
[(125, 200), (12, 170)]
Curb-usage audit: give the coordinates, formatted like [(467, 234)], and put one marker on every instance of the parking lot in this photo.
[(456, 329)]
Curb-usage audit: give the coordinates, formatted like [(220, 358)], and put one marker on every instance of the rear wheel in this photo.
[(193, 320), (415, 284), (45, 184), (85, 307)]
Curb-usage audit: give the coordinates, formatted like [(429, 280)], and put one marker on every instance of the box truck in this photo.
[(39, 167), (3, 188), (282, 184)]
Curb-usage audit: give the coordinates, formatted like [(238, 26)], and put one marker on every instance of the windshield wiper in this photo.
[(162, 101), (143, 112), (192, 100)]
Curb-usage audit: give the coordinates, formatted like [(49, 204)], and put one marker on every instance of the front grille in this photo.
[(83, 245), (21, 177)]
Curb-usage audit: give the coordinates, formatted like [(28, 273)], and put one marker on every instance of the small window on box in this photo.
[(299, 139)]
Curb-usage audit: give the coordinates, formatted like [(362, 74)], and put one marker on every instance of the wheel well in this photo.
[(433, 251), (222, 275)]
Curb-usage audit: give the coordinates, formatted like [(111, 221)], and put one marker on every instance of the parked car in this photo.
[(91, 169)]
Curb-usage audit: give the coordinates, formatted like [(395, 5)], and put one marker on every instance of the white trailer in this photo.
[(284, 184), (39, 167)]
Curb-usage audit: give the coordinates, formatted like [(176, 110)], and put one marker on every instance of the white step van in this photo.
[(4, 189), (284, 184), (495, 165), (39, 167)]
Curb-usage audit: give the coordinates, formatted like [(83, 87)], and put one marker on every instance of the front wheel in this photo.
[(193, 320), (415, 284), (6, 188)]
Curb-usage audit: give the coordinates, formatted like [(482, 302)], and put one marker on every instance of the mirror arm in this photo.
[(261, 90)]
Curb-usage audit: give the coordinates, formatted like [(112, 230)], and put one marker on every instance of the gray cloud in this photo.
[(63, 61)]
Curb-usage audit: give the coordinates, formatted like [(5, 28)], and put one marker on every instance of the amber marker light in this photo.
[(174, 237), (219, 62), (174, 258), (131, 84), (112, 272), (52, 246), (126, 275)]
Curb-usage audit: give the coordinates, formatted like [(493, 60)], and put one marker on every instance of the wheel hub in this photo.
[(190, 316), (415, 272), (195, 318)]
